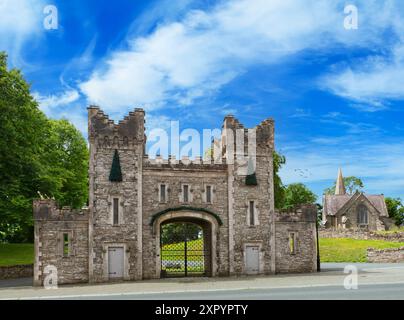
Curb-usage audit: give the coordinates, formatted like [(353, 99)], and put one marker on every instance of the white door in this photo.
[(115, 262), (252, 259)]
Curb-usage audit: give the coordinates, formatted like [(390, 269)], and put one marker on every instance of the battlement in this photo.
[(184, 162), (230, 122), (131, 127), (263, 133), (48, 209), (302, 213)]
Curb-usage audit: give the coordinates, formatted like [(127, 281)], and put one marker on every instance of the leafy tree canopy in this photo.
[(352, 184), (297, 194), (279, 188), (177, 232), (37, 155), (395, 209)]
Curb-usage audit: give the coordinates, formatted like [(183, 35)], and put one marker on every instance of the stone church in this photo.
[(354, 211), (124, 232)]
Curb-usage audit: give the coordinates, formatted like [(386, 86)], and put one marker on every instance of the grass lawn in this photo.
[(331, 250), (175, 251), (351, 250), (16, 253)]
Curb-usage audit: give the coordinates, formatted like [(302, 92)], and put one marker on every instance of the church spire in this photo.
[(340, 187)]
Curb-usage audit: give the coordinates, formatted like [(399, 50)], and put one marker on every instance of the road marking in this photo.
[(95, 295), (381, 268)]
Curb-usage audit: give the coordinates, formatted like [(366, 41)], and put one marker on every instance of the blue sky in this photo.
[(336, 95)]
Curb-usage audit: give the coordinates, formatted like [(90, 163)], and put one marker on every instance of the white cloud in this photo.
[(301, 113), (20, 21), (51, 103), (194, 57), (157, 122), (77, 117), (371, 82)]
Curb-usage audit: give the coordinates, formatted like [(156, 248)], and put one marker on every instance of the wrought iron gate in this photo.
[(183, 251)]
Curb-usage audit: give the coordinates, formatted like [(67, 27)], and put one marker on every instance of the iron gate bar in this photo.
[(181, 256)]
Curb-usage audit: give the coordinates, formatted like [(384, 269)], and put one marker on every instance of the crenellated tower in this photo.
[(115, 203), (250, 192)]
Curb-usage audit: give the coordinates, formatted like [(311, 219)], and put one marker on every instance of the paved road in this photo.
[(365, 292), (375, 281)]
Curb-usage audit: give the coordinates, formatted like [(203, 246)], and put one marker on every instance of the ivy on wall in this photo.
[(251, 180), (116, 174), (186, 208)]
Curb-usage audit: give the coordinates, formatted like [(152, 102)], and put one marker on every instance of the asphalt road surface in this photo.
[(365, 292), (375, 281)]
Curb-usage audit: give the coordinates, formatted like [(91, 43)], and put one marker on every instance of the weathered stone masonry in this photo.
[(285, 242)]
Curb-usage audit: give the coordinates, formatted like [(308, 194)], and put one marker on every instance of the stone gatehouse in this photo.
[(133, 198)]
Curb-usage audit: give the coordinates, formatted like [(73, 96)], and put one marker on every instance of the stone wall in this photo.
[(51, 223), (128, 139), (301, 223), (228, 229), (391, 255), (18, 271), (361, 234), (173, 176), (260, 234)]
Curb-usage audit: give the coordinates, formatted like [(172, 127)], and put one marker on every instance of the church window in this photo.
[(362, 215)]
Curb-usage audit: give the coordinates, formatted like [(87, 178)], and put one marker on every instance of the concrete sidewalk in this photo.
[(332, 275)]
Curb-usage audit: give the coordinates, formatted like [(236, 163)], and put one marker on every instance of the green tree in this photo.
[(279, 188), (395, 209), (176, 232), (297, 194), (352, 184), (64, 174), (22, 129), (36, 155)]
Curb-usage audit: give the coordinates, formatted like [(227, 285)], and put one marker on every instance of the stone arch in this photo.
[(116, 141), (106, 142), (188, 209), (125, 141), (205, 220)]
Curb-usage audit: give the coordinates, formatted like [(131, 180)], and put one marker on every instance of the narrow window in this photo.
[(362, 215), (252, 213), (162, 193), (208, 194), (116, 211), (66, 244), (292, 243), (185, 190)]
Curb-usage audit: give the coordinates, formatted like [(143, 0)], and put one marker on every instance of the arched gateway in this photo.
[(149, 218), (187, 240)]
